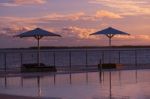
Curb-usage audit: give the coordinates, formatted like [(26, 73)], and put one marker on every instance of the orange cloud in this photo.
[(126, 7), (62, 17), (17, 24), (17, 20), (73, 16), (107, 14), (12, 30), (13, 25), (144, 37), (83, 16), (78, 32), (9, 26)]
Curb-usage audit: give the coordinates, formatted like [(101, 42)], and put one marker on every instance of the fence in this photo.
[(86, 58)]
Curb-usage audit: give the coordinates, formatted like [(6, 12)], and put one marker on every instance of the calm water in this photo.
[(125, 84)]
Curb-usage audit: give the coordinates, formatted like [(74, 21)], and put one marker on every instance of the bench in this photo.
[(33, 67), (109, 66)]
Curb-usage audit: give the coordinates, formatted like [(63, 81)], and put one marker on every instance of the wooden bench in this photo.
[(109, 66), (33, 67)]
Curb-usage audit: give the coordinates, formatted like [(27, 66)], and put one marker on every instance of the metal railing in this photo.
[(83, 58)]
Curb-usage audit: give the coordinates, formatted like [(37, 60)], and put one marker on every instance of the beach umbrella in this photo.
[(38, 34), (110, 32)]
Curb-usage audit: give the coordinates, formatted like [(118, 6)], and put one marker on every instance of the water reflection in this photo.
[(39, 86), (130, 84), (5, 81)]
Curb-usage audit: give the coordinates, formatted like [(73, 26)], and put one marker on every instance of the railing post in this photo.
[(70, 60), (86, 60), (136, 64), (54, 57), (136, 59), (103, 56), (109, 55), (70, 65), (5, 68), (86, 64), (119, 56), (103, 62), (21, 62), (21, 59), (119, 68), (5, 62)]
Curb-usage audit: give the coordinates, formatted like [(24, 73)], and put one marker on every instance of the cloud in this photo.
[(82, 16), (55, 16), (27, 2), (13, 25), (13, 3), (72, 35), (126, 7), (107, 14), (77, 32), (137, 37), (79, 16), (82, 34), (13, 30)]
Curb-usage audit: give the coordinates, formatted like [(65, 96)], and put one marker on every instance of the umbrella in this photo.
[(110, 32), (37, 34)]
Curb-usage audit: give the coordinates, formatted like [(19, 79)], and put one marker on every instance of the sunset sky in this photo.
[(74, 20)]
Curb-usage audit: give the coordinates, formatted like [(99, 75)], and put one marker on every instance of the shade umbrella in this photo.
[(38, 34), (110, 32)]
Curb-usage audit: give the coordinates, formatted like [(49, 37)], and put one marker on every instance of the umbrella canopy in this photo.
[(110, 32), (37, 34)]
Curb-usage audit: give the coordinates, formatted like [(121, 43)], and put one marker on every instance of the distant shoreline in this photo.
[(78, 47)]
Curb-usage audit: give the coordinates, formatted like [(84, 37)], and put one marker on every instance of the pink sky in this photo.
[(74, 20)]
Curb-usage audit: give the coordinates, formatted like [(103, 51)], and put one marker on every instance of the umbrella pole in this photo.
[(38, 52), (110, 37), (110, 94), (109, 41)]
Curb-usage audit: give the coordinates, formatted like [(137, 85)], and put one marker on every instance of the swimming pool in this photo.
[(125, 84)]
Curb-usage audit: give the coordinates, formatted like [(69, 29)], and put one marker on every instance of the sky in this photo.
[(74, 20)]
